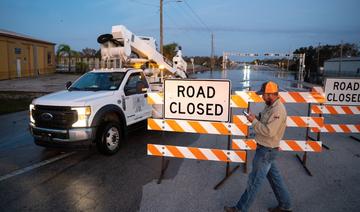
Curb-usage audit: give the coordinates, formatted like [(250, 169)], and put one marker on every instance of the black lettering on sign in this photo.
[(336, 86), (210, 92), (171, 108), (356, 86), (200, 109), (200, 92), (191, 108), (208, 109), (329, 97), (218, 109), (180, 112), (181, 90), (190, 91)]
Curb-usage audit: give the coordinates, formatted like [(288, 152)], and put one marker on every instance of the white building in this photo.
[(346, 66)]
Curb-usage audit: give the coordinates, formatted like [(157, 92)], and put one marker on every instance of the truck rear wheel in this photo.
[(108, 141)]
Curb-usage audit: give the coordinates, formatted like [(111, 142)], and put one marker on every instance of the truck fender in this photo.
[(106, 109)]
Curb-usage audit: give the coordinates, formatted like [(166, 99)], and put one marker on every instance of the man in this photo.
[(269, 129)]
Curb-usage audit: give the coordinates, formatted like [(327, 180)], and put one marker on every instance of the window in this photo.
[(17, 50), (136, 84), (98, 81), (49, 58)]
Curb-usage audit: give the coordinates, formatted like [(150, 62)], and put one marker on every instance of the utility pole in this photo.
[(341, 50), (212, 62), (161, 28), (318, 57)]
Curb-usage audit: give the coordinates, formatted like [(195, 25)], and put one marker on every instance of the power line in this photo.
[(197, 16)]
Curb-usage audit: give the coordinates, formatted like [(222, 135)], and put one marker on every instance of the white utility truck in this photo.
[(103, 104)]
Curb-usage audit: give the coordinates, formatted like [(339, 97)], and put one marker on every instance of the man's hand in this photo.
[(251, 117)]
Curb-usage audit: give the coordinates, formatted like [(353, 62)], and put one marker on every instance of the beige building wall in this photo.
[(24, 57)]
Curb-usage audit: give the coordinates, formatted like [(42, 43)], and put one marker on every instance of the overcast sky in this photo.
[(255, 26)]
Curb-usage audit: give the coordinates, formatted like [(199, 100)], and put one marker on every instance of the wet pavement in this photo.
[(85, 180)]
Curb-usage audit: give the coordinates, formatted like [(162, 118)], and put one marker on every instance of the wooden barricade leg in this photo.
[(228, 172), (247, 136), (304, 158), (164, 161), (355, 138), (318, 135)]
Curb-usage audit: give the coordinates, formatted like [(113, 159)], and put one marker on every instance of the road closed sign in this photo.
[(206, 100), (342, 91)]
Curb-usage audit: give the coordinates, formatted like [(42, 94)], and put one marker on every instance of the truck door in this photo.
[(135, 98)]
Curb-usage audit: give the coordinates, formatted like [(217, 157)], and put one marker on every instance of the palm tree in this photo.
[(64, 49)]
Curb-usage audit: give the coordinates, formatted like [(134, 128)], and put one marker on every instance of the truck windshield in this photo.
[(97, 81)]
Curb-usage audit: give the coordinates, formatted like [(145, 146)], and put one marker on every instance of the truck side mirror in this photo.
[(68, 84)]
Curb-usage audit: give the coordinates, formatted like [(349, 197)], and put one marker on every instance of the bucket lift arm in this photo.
[(121, 43)]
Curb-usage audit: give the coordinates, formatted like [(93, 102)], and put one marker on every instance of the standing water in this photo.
[(245, 78)]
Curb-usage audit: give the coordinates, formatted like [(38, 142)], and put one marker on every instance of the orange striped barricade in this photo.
[(336, 128), (291, 121), (315, 96), (285, 145), (202, 127), (196, 153)]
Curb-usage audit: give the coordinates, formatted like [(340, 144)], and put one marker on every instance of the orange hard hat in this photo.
[(268, 87)]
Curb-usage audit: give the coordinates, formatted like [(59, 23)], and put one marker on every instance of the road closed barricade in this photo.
[(342, 97), (196, 106)]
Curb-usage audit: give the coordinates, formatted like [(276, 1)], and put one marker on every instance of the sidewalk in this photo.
[(41, 84)]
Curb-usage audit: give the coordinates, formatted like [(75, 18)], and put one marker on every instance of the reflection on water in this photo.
[(245, 78)]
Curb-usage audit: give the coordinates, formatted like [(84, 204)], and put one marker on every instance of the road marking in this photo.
[(35, 166)]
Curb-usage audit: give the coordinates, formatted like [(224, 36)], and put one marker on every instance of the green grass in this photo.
[(15, 101), (13, 105)]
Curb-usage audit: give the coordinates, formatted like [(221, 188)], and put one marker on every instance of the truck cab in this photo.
[(98, 107)]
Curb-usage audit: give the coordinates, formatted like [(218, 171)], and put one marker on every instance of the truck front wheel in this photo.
[(109, 136)]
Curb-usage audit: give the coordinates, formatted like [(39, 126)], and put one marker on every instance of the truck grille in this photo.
[(54, 117)]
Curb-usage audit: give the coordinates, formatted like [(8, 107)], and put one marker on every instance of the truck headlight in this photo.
[(83, 114), (31, 108)]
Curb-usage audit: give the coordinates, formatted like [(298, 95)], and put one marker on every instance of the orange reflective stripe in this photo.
[(243, 129), (175, 151), (240, 102), (282, 99), (255, 97), (175, 126), (197, 153), (150, 101), (197, 127), (357, 127), (153, 150), (251, 144), (221, 128), (298, 121), (314, 145), (319, 121), (316, 109), (293, 145), (316, 129), (331, 110), (318, 97), (344, 128), (329, 128), (153, 125), (220, 154), (237, 120), (347, 110), (241, 154), (297, 97)]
